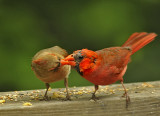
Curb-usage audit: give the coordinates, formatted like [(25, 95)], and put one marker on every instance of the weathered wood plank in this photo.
[(145, 100)]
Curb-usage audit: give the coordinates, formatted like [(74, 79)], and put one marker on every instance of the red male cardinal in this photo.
[(46, 66), (106, 66)]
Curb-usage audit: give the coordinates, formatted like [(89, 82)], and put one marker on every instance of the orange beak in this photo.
[(69, 60)]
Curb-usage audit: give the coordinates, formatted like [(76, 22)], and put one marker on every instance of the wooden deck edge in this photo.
[(145, 100)]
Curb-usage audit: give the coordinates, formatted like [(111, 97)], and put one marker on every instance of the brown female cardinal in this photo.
[(106, 66), (46, 66)]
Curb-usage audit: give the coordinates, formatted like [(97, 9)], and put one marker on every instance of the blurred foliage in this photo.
[(28, 26)]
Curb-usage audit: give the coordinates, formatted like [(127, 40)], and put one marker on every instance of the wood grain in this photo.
[(145, 101)]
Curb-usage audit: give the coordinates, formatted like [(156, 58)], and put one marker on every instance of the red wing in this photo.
[(115, 56)]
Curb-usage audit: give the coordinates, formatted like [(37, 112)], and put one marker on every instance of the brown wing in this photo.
[(59, 50)]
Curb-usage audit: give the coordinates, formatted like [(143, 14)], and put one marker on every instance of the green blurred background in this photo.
[(27, 26)]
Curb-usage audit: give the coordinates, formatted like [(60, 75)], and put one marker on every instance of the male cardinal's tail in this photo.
[(138, 40)]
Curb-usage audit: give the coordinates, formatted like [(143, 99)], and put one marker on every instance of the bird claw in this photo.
[(68, 98), (127, 99), (45, 98), (94, 97)]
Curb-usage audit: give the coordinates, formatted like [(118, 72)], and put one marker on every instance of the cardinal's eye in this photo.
[(80, 57)]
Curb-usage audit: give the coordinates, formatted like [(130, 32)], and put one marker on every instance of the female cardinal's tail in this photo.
[(138, 40)]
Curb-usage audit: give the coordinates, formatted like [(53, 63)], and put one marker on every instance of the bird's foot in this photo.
[(127, 99), (94, 97), (68, 98), (45, 98)]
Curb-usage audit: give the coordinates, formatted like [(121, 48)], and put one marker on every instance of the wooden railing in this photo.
[(145, 100)]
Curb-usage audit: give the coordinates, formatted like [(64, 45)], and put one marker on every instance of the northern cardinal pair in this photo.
[(102, 67)]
